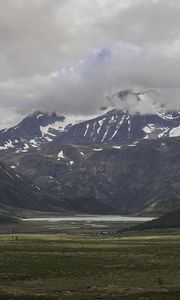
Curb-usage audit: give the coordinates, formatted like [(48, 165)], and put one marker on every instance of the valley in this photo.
[(89, 150), (88, 266), (90, 220)]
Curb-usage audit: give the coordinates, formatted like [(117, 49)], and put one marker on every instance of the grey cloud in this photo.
[(145, 22), (40, 37), (83, 90)]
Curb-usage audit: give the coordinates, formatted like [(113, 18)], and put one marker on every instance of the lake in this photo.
[(92, 218)]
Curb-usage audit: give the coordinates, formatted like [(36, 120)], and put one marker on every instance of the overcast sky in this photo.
[(68, 55)]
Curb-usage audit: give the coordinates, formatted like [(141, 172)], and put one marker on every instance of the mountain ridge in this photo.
[(141, 177), (38, 130), (117, 161)]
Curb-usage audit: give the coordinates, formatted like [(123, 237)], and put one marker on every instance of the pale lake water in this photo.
[(90, 218)]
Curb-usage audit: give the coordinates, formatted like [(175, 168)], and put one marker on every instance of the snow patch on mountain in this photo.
[(33, 143), (149, 128), (38, 116), (155, 131), (60, 155), (104, 136), (175, 132), (7, 145), (86, 131), (168, 116)]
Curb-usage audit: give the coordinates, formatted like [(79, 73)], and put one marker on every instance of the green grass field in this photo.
[(73, 267)]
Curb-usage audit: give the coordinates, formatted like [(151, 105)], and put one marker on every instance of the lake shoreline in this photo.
[(90, 218)]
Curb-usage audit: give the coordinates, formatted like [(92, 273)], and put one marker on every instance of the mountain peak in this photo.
[(35, 130), (113, 127)]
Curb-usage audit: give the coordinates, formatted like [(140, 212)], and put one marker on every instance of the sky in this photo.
[(69, 55)]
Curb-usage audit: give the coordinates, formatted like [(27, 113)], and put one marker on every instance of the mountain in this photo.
[(118, 162), (167, 221), (142, 177), (17, 192), (116, 127), (34, 131), (120, 127), (6, 218)]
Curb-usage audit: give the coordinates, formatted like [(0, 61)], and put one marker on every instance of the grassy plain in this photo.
[(88, 264)]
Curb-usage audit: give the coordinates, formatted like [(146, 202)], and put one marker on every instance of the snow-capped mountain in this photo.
[(120, 127), (113, 127), (34, 131)]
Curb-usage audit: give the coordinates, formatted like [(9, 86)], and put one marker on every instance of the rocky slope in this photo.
[(17, 192), (130, 178)]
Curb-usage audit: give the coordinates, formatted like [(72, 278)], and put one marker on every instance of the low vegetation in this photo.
[(87, 267)]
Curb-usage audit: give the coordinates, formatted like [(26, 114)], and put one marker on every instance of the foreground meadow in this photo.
[(52, 266)]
